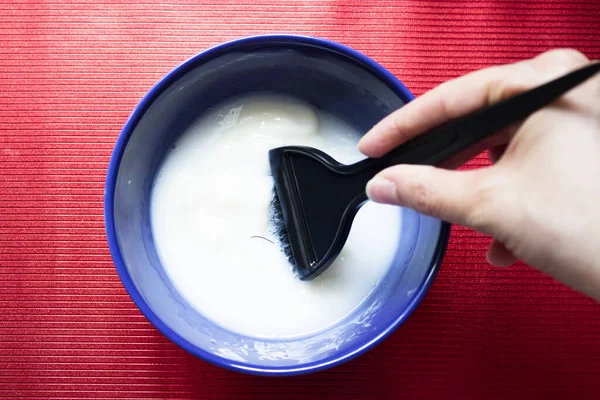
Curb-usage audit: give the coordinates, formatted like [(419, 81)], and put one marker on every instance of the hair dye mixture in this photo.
[(212, 230)]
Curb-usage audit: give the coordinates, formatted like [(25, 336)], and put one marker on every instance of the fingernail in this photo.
[(382, 191)]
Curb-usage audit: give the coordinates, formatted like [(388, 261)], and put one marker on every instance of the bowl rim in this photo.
[(111, 180)]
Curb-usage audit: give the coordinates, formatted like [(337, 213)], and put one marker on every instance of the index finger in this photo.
[(465, 94)]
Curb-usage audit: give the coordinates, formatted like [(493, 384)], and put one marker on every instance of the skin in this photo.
[(540, 199)]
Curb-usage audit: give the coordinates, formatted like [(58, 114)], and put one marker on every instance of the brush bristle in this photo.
[(280, 232)]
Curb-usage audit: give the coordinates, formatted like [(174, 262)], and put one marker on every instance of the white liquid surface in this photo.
[(210, 204)]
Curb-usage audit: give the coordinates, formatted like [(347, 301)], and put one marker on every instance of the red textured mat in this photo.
[(71, 72)]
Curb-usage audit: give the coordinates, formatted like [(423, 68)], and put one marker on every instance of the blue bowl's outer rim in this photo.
[(111, 180)]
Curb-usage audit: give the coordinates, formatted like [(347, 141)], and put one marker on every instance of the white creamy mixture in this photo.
[(210, 220)]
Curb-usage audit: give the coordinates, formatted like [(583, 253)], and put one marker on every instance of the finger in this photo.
[(499, 256), (463, 95), (453, 196)]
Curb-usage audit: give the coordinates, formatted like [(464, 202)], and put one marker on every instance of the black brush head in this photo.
[(315, 201), (280, 230)]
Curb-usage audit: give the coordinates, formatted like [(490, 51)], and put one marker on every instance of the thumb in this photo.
[(455, 196)]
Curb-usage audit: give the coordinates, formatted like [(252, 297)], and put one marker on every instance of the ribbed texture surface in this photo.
[(70, 74)]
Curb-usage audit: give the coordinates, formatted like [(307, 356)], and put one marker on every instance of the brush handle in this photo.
[(445, 141), (320, 197)]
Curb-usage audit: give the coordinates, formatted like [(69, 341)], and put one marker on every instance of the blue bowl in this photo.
[(334, 78)]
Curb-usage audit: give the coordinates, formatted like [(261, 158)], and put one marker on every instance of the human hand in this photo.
[(540, 200)]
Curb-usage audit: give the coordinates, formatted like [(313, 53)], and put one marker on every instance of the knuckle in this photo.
[(423, 199), (566, 58), (504, 88), (522, 77), (444, 103), (530, 73), (397, 126), (488, 204)]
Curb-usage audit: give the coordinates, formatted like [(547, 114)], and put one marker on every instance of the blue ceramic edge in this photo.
[(111, 179)]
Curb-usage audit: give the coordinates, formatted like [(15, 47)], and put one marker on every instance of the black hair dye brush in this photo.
[(316, 198)]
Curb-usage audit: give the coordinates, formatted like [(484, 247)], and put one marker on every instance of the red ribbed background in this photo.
[(70, 74)]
